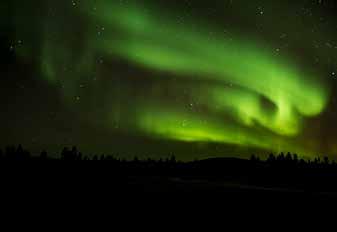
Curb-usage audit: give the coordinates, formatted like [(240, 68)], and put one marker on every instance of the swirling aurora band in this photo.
[(241, 75)]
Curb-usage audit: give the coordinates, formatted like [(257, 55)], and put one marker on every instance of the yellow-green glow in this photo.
[(266, 96), (155, 42)]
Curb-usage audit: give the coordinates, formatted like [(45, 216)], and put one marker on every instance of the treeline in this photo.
[(282, 170), (73, 154)]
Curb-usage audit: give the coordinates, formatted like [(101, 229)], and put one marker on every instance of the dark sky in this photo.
[(154, 78)]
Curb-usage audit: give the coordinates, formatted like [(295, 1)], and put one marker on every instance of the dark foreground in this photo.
[(282, 177)]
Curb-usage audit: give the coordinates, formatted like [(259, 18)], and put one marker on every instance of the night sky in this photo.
[(192, 78)]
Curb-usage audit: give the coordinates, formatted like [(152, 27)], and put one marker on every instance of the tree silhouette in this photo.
[(64, 153), (289, 157), (79, 156), (44, 155), (295, 158), (326, 160), (271, 159), (281, 157), (173, 159)]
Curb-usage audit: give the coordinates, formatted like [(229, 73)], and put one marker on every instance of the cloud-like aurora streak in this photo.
[(243, 74)]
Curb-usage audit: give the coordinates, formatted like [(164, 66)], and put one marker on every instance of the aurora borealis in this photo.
[(241, 76)]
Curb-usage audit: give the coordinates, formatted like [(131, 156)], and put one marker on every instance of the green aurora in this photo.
[(237, 90)]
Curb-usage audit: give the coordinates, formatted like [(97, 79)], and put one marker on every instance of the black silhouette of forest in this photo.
[(282, 173)]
